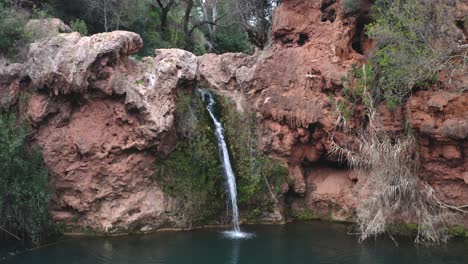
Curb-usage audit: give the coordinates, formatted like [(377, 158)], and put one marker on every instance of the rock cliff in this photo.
[(289, 86), (103, 118)]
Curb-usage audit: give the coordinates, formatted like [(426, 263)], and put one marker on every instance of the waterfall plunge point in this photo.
[(210, 103)]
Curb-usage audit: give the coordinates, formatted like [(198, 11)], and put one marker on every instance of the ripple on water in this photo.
[(238, 235)]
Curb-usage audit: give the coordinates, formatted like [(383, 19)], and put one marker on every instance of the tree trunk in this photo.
[(164, 15), (185, 25)]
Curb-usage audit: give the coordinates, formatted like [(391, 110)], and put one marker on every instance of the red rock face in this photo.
[(103, 120), (441, 118), (100, 179), (313, 45)]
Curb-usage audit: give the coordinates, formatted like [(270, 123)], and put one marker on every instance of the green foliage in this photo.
[(60, 227), (40, 13), (254, 214), (458, 231), (342, 107), (304, 214), (79, 26), (12, 34), (404, 229), (411, 229), (356, 86), (357, 82), (24, 194), (414, 38), (251, 167), (231, 40), (192, 173), (351, 6)]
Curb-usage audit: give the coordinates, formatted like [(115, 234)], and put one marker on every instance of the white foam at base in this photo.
[(237, 235)]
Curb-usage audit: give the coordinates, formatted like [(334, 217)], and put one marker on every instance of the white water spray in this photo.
[(208, 99)]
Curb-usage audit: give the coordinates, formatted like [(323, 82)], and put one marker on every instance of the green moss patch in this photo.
[(259, 178), (192, 173)]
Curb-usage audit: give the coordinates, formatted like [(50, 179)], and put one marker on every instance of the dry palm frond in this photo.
[(396, 190)]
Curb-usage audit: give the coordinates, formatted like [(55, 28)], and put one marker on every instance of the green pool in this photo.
[(315, 242)]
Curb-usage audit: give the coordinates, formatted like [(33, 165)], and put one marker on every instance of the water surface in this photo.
[(315, 242)]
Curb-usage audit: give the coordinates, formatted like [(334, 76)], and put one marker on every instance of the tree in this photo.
[(210, 13), (165, 7), (115, 14), (13, 38), (192, 22), (256, 19)]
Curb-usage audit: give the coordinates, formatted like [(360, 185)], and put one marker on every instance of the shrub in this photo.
[(351, 6), (79, 26), (24, 194), (304, 214), (414, 40), (12, 34)]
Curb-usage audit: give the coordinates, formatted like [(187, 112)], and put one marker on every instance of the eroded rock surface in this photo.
[(441, 118), (314, 44), (103, 120)]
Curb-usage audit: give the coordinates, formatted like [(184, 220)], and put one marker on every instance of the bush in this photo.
[(231, 41), (79, 26), (12, 35), (414, 39), (351, 6), (24, 193)]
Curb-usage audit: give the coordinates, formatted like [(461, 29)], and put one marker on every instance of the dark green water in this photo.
[(293, 243)]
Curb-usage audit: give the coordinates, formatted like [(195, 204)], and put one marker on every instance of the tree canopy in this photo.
[(199, 26)]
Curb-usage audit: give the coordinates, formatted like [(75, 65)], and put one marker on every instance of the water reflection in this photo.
[(293, 243), (234, 258)]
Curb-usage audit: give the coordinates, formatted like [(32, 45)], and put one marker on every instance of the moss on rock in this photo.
[(192, 173), (259, 178)]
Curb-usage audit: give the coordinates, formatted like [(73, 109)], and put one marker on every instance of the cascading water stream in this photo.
[(208, 99)]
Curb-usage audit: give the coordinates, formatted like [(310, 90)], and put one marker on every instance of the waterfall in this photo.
[(210, 103)]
